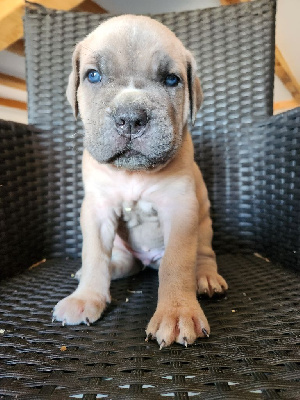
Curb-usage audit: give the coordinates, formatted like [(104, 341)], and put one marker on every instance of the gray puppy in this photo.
[(135, 87)]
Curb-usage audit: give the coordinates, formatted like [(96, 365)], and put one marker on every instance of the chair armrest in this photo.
[(271, 183), (277, 187), (22, 193)]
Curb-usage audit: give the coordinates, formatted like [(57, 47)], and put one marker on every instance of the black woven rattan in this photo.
[(23, 189), (234, 50), (251, 163), (251, 354)]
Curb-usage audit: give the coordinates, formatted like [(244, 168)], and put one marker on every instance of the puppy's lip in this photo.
[(131, 153), (125, 152)]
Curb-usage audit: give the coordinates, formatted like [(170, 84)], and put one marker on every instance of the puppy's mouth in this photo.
[(134, 160), (125, 153)]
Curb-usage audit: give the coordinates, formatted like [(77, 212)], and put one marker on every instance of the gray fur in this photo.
[(132, 77)]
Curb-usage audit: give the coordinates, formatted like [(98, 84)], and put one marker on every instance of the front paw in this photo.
[(78, 308), (181, 324), (209, 282)]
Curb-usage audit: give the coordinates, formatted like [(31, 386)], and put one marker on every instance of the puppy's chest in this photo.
[(140, 226), (138, 213)]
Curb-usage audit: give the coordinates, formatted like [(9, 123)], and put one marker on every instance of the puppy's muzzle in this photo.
[(130, 122)]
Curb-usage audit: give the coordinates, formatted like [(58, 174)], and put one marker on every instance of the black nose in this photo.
[(131, 122)]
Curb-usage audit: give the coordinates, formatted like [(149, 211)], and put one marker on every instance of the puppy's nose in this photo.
[(131, 122)]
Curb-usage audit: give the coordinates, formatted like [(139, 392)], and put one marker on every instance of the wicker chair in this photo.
[(251, 164)]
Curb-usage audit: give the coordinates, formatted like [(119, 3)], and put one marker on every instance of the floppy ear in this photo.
[(74, 80), (195, 91)]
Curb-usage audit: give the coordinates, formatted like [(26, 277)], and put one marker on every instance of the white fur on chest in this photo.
[(137, 213), (140, 227)]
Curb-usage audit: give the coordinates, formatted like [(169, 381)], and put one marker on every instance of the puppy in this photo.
[(134, 85)]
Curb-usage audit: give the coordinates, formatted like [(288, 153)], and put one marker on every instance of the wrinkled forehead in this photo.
[(135, 41)]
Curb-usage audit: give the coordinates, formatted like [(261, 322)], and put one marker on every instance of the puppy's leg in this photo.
[(122, 263), (178, 316), (89, 300), (208, 280)]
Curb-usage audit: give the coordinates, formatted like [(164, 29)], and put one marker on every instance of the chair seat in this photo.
[(251, 352)]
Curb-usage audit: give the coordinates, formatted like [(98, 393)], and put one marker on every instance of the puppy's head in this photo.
[(134, 85)]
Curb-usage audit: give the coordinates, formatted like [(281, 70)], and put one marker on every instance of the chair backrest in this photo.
[(234, 50)]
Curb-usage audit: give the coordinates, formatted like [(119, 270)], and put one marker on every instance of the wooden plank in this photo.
[(12, 81), (18, 47), (285, 74), (64, 5), (12, 11), (87, 5), (90, 6), (11, 27), (13, 103), (285, 105), (231, 2)]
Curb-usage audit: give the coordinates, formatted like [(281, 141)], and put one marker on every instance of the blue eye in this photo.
[(172, 80), (93, 76)]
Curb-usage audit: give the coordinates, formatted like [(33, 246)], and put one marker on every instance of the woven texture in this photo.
[(251, 165), (233, 47), (251, 354), (256, 197), (260, 211), (276, 187), (23, 212)]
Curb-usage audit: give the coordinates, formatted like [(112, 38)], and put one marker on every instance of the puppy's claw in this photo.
[(148, 337), (205, 332), (64, 322), (87, 321), (185, 342), (53, 319), (162, 344)]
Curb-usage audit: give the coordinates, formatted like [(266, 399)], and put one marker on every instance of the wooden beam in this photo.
[(13, 103), (90, 6), (18, 47), (231, 2), (64, 5), (285, 105), (12, 81), (285, 74), (12, 11), (11, 27)]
